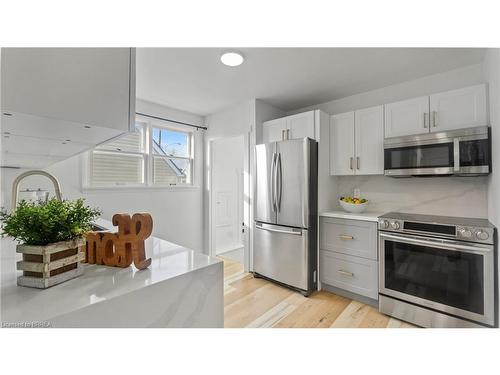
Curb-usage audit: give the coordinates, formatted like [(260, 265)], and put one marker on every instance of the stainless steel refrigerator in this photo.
[(286, 195)]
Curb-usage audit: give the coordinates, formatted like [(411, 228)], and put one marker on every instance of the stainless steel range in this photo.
[(437, 271)]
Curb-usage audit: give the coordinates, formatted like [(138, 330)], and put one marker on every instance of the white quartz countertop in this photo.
[(364, 216), (98, 283)]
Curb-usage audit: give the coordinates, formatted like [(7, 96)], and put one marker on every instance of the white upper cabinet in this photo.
[(369, 140), (357, 142), (407, 117), (301, 125), (66, 100), (296, 126), (342, 144), (274, 130), (456, 109)]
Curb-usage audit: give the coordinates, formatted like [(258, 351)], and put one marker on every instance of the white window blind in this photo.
[(150, 156)]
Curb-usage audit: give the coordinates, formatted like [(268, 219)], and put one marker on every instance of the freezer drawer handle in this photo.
[(346, 237), (298, 233), (346, 273)]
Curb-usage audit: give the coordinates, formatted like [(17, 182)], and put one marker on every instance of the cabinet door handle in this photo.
[(350, 163), (287, 133), (346, 273), (434, 119), (283, 134), (346, 237), (357, 162), (426, 115)]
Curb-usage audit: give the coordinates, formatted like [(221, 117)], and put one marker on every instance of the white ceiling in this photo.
[(194, 80)]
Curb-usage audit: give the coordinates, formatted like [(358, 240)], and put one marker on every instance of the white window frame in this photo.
[(148, 156), (152, 155)]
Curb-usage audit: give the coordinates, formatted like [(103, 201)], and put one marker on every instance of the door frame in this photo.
[(246, 198)]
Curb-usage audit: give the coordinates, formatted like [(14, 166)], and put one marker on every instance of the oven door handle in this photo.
[(447, 245)]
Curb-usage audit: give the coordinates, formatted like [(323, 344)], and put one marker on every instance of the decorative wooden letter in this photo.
[(120, 249)]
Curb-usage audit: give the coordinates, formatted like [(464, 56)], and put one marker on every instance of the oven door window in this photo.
[(427, 156), (448, 277), (474, 153)]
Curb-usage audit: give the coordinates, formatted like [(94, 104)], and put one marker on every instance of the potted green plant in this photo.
[(49, 236)]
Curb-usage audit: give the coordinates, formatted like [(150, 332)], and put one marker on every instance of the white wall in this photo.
[(492, 74), (177, 214), (453, 79), (438, 195)]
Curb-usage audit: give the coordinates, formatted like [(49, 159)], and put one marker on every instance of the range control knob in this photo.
[(482, 235), (395, 225), (385, 224), (465, 232)]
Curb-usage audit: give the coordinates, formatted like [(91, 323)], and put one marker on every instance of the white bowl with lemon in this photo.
[(354, 205)]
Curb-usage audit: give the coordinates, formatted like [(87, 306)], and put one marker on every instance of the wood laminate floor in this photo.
[(251, 302)]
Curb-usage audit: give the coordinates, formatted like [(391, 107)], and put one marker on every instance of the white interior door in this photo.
[(407, 117), (227, 197), (342, 144), (369, 140), (456, 109)]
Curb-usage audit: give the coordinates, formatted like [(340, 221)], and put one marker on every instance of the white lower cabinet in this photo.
[(350, 237), (354, 274), (348, 255)]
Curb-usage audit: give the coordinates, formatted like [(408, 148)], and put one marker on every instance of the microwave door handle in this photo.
[(456, 155), (479, 249)]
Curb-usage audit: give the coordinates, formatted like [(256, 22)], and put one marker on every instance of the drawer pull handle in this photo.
[(346, 273), (346, 237)]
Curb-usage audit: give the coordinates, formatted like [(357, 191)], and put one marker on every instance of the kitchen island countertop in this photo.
[(181, 288)]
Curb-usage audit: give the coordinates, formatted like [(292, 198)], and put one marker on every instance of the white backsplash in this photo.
[(448, 196)]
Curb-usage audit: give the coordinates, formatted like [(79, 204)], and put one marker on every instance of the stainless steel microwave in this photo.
[(463, 152)]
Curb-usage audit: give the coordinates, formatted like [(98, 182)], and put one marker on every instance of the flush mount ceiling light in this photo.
[(232, 58)]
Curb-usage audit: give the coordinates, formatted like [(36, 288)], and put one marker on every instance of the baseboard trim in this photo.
[(347, 294)]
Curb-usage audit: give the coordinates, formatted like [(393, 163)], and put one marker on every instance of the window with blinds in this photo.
[(172, 159), (150, 156)]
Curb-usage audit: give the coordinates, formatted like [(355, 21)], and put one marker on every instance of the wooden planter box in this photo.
[(49, 265)]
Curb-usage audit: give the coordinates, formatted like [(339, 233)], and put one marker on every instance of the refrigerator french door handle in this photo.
[(279, 184), (273, 181)]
